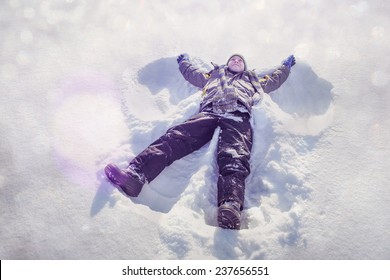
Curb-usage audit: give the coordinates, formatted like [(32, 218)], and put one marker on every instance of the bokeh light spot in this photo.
[(29, 13), (378, 32), (302, 50), (380, 78), (26, 36), (8, 71), (88, 123)]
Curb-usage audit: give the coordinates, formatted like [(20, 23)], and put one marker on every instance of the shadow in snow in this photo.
[(304, 93), (103, 196), (225, 243), (164, 74), (159, 74)]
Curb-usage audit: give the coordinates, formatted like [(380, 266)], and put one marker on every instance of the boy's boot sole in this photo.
[(228, 217)]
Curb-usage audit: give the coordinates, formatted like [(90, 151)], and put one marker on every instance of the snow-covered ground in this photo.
[(88, 82)]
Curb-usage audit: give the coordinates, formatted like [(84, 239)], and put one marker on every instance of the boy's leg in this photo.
[(234, 148), (176, 143)]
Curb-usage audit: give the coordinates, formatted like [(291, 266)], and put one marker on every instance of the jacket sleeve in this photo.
[(275, 80), (193, 74)]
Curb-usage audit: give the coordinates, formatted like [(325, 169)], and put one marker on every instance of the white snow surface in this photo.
[(88, 82)]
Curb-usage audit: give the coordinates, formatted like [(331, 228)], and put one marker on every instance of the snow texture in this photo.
[(86, 83)]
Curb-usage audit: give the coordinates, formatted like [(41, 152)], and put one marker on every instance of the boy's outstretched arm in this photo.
[(278, 77), (190, 72)]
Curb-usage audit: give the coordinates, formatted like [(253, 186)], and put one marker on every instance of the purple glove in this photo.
[(182, 57), (289, 61)]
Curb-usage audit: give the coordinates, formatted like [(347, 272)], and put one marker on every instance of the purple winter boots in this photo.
[(128, 180), (131, 182)]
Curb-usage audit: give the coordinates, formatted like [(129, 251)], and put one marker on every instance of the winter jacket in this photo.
[(243, 89)]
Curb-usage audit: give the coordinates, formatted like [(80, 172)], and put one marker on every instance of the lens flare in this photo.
[(88, 124)]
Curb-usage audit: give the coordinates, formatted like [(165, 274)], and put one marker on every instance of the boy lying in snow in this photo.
[(229, 93)]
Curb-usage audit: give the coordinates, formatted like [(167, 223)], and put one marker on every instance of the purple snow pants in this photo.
[(233, 152)]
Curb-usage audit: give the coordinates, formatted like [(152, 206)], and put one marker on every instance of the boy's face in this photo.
[(236, 64)]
